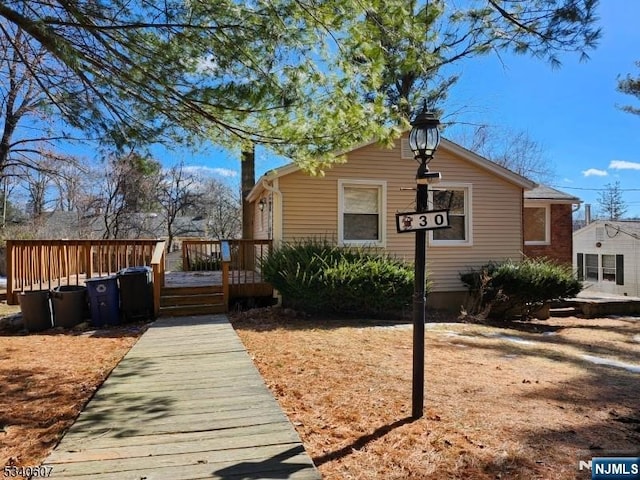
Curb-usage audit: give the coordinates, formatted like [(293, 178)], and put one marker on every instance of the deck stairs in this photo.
[(191, 300)]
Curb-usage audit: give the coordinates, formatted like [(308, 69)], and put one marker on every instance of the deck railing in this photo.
[(45, 264), (244, 266), (158, 268)]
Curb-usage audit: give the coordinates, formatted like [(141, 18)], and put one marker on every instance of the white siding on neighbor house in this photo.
[(586, 240), (310, 209)]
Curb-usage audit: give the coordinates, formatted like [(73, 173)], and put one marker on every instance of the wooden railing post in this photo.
[(11, 297), (88, 259), (158, 268), (225, 256)]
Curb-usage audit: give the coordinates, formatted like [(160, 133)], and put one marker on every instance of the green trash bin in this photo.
[(36, 310), (69, 304)]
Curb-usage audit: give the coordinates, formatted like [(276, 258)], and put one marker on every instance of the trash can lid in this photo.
[(134, 270), (70, 288), (110, 278)]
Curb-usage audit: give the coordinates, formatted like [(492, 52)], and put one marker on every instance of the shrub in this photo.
[(315, 276), (511, 288)]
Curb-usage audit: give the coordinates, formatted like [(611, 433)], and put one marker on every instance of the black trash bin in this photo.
[(104, 301), (136, 293), (36, 310), (69, 304)]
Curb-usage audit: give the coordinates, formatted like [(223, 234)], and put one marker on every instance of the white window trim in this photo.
[(468, 225), (598, 268), (382, 208), (601, 268), (547, 226)]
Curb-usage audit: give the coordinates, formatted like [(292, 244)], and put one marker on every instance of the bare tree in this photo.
[(221, 207), (176, 196), (71, 185), (26, 98), (514, 150), (127, 194)]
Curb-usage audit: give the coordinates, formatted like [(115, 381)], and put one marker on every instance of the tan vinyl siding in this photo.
[(261, 218), (310, 208)]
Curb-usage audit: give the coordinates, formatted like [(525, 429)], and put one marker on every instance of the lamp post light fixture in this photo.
[(423, 141)]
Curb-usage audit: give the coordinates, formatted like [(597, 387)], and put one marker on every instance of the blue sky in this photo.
[(572, 112)]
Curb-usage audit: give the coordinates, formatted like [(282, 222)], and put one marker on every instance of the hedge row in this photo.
[(315, 276)]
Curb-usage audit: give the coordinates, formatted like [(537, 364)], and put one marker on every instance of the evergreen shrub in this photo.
[(317, 277), (509, 289)]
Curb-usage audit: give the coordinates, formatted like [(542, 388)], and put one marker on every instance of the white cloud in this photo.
[(217, 171), (624, 165), (594, 172), (225, 172)]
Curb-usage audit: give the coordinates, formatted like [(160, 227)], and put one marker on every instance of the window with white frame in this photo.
[(456, 199), (608, 268), (591, 267), (361, 212), (537, 229)]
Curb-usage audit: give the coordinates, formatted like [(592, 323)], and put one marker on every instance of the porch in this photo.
[(212, 273)]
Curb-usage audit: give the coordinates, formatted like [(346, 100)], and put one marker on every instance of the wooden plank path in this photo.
[(185, 403)]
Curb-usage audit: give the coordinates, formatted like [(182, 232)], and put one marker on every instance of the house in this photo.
[(548, 224), (355, 203), (607, 256)]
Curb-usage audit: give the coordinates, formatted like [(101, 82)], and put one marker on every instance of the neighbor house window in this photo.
[(361, 212), (591, 267), (536, 225), (609, 268), (456, 199)]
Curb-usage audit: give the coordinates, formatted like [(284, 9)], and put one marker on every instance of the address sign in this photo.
[(431, 220)]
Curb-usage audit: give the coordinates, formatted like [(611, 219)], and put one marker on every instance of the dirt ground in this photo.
[(528, 402), (46, 379)]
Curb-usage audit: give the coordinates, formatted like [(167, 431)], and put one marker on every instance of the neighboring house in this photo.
[(548, 224), (607, 256), (355, 203), (59, 224)]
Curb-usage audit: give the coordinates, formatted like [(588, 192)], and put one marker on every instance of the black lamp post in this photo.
[(423, 141)]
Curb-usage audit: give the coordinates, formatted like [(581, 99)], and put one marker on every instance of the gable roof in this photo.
[(613, 227), (467, 155), (545, 193)]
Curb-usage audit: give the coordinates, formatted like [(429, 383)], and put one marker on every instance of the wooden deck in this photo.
[(186, 402)]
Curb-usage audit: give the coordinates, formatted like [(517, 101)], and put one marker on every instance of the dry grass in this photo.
[(46, 379), (495, 407)]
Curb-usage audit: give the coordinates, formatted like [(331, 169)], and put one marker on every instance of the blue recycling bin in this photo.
[(104, 300)]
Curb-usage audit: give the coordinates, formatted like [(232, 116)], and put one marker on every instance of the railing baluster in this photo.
[(71, 260)]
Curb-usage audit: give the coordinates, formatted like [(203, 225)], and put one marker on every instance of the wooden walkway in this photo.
[(186, 402)]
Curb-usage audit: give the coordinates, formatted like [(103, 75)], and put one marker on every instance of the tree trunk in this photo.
[(248, 180)]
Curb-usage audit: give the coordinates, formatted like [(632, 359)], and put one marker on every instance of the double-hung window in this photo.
[(601, 268), (591, 267), (456, 199), (361, 217), (608, 268), (537, 228)]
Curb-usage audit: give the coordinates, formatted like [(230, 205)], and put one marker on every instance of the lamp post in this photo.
[(423, 141)]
